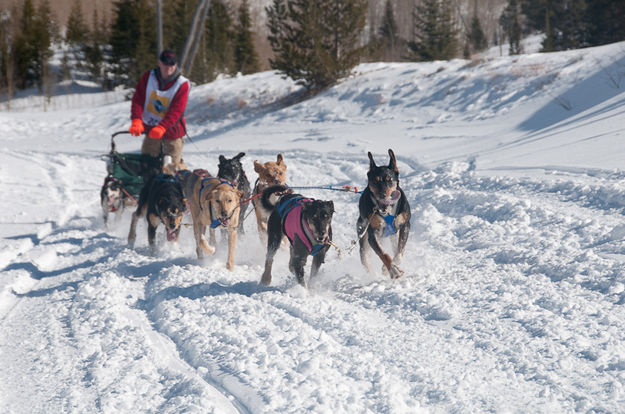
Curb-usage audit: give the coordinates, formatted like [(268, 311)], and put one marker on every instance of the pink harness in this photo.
[(293, 225)]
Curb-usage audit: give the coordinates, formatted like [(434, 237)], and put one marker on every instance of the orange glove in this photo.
[(136, 128), (157, 132)]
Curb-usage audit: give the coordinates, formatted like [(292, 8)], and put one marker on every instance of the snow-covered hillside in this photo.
[(513, 298)]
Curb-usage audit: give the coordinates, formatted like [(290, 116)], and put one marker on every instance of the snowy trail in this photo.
[(487, 294), (514, 286)]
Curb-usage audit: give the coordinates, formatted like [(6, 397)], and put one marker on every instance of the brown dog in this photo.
[(214, 203), (269, 174)]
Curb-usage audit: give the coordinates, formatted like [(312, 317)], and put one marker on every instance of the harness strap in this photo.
[(213, 180)]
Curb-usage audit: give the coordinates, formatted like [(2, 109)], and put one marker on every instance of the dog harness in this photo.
[(389, 219), (293, 223), (209, 182)]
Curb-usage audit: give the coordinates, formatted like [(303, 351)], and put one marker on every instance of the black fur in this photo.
[(232, 171), (318, 213), (378, 200), (161, 201), (117, 203)]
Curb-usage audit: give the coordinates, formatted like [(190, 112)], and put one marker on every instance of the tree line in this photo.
[(315, 42)]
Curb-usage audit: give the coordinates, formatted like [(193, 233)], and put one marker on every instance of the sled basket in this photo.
[(131, 169)]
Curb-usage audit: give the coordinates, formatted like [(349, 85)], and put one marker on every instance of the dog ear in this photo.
[(279, 159), (241, 193), (222, 159), (331, 204), (392, 163), (239, 156), (371, 162), (258, 167)]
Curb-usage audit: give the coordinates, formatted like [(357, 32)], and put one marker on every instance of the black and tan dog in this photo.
[(113, 198), (269, 174), (214, 203), (231, 170), (305, 222), (384, 211), (161, 201)]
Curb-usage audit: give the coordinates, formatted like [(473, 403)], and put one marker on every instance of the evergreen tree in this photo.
[(605, 21), (316, 42), (510, 22), (93, 50), (477, 39), (132, 40), (32, 44), (434, 32), (6, 58), (245, 57), (218, 47), (177, 17), (389, 41), (24, 51), (76, 32)]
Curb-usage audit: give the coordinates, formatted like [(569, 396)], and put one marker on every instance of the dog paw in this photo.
[(396, 272), (266, 279), (207, 248)]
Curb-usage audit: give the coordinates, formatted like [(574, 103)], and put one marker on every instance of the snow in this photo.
[(514, 288)]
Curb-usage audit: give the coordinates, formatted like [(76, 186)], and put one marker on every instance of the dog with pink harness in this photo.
[(305, 222)]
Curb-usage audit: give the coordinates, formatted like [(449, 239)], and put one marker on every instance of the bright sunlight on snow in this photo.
[(513, 297)]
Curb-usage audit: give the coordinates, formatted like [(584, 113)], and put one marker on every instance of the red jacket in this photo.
[(174, 122)]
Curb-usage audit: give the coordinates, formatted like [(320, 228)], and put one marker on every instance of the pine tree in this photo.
[(24, 51), (605, 21), (93, 49), (76, 32), (510, 22), (245, 57), (389, 40), (316, 42), (218, 47), (477, 39), (132, 40), (6, 58), (435, 32)]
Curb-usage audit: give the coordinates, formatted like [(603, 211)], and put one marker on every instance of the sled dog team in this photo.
[(221, 202)]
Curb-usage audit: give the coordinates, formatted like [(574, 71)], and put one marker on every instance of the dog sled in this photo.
[(131, 170)]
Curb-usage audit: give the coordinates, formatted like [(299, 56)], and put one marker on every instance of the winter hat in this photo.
[(168, 57)]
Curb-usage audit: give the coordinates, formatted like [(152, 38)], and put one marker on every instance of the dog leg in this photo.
[(132, 234), (273, 243), (318, 260), (202, 245), (151, 234), (213, 238), (394, 271), (232, 243)]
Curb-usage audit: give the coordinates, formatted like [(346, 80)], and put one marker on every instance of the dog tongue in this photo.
[(171, 235)]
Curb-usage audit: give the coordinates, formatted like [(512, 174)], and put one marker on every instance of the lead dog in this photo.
[(269, 174), (232, 170), (214, 203), (305, 222), (161, 201), (384, 211)]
